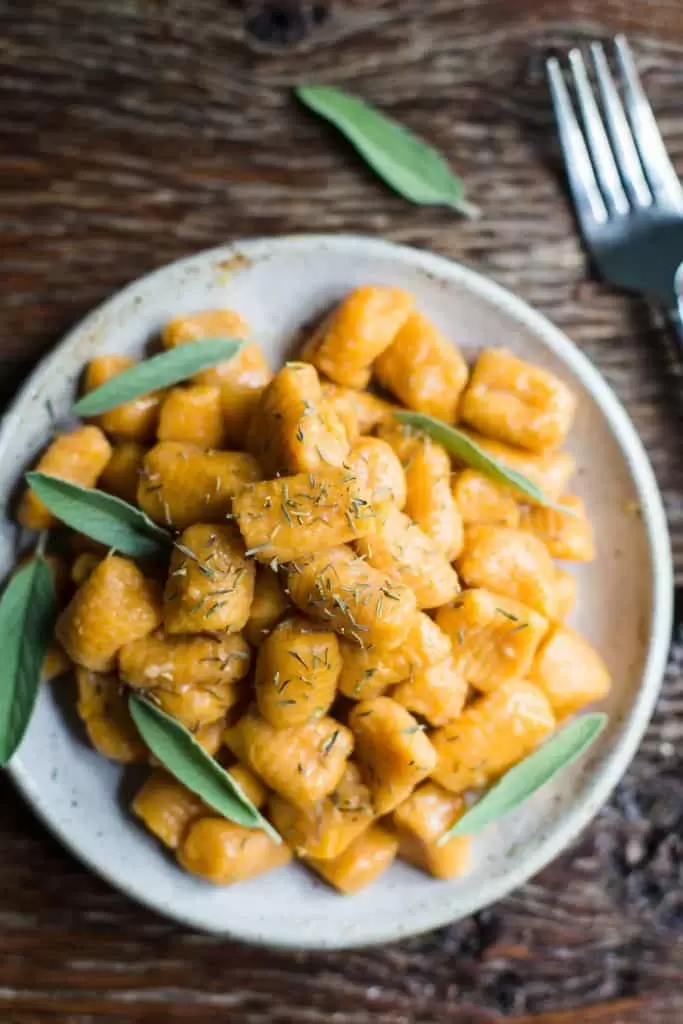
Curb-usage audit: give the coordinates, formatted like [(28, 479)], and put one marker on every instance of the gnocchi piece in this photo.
[(181, 485), (567, 536), (174, 661), (166, 807), (210, 736), (135, 420), (347, 342), (491, 735), (56, 663), (193, 415), (377, 467), (121, 475), (325, 829), (368, 671), (494, 638), (359, 411), (436, 693), (241, 379), (209, 323), (423, 369), (517, 402), (79, 457), (114, 606), (242, 382), (425, 644), (83, 566), (302, 763), (569, 671), (251, 786), (429, 502), (196, 706), (404, 440), (510, 562), (392, 751), (268, 606), (566, 587), (293, 429), (297, 669), (361, 863), (482, 501), (550, 471), (210, 584), (421, 821), (293, 516), (222, 852), (344, 592), (103, 709), (341, 400), (409, 556)]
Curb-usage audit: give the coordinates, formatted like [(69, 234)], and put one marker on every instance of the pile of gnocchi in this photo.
[(363, 632)]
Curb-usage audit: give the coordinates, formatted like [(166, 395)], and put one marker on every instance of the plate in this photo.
[(280, 285)]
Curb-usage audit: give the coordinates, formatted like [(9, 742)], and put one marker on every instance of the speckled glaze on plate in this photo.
[(624, 609)]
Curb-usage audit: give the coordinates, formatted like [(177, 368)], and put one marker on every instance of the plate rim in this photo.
[(634, 723)]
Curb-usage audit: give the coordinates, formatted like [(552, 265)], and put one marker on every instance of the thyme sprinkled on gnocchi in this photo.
[(322, 603)]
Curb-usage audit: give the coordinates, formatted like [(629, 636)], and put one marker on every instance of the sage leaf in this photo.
[(188, 762), (27, 618), (103, 517), (406, 163), (158, 372), (531, 774), (468, 451)]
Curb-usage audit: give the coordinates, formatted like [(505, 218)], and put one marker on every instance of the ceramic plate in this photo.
[(279, 285)]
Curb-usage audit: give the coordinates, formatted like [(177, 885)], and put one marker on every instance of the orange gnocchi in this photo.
[(363, 630), (348, 341), (423, 369), (518, 403)]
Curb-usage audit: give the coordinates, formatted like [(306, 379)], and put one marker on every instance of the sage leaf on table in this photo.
[(529, 775), (468, 451), (406, 163), (27, 618), (101, 516), (187, 761), (158, 372)]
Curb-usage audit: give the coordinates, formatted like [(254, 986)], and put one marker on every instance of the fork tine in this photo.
[(623, 145), (662, 177), (598, 143), (588, 201)]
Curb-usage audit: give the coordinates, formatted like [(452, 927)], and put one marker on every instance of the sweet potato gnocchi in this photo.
[(363, 630)]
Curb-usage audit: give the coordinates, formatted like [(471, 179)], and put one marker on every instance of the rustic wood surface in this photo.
[(136, 131)]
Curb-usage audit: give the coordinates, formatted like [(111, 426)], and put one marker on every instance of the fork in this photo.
[(627, 195)]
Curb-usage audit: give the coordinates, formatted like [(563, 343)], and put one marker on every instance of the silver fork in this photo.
[(627, 195)]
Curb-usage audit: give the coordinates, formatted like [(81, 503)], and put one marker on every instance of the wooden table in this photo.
[(136, 131)]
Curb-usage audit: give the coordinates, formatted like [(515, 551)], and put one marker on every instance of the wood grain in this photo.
[(135, 132)]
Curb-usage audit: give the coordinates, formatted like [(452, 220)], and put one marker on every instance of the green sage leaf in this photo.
[(406, 163), (468, 451), (27, 618), (531, 774), (158, 372), (188, 762), (101, 516)]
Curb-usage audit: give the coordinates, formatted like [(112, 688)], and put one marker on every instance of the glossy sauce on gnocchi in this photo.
[(364, 632)]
